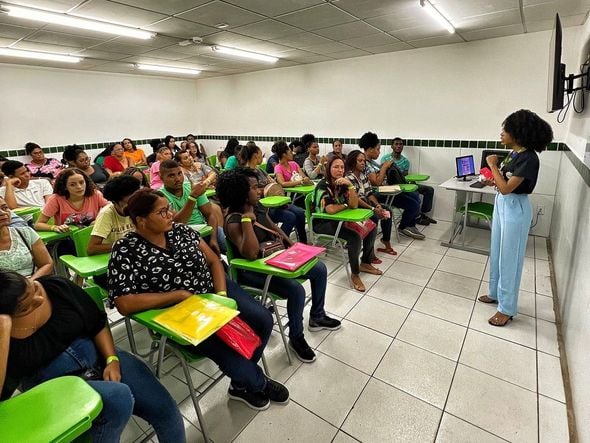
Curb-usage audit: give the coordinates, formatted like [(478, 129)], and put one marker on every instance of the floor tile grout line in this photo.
[(476, 426)]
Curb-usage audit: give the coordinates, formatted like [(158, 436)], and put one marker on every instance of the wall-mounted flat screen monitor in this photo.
[(556, 80)]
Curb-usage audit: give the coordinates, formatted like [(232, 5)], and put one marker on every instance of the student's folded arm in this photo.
[(42, 260), (96, 246)]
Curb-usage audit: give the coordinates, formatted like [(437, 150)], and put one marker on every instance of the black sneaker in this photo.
[(330, 324), (258, 401), (412, 232), (423, 220), (276, 392), (302, 349), (430, 220)]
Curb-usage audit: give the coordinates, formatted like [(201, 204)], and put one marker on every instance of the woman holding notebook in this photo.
[(247, 226)]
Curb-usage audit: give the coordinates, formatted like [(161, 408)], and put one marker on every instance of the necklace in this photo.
[(30, 328)]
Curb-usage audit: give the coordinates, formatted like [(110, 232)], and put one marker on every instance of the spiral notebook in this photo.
[(295, 257)]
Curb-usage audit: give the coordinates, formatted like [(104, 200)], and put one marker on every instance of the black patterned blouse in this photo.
[(138, 266)]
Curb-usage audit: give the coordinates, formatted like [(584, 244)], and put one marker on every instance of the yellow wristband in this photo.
[(222, 293), (246, 220), (111, 359), (191, 198), (351, 187)]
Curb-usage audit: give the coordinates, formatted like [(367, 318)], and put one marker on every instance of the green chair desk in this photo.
[(413, 178), (59, 410), (165, 339), (26, 210), (408, 187), (276, 201), (302, 189), (53, 236)]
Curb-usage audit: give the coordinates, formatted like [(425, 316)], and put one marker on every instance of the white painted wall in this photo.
[(57, 107), (460, 91)]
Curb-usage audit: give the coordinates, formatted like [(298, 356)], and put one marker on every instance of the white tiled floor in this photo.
[(415, 360)]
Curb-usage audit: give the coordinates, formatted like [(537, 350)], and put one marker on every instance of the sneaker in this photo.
[(430, 220), (412, 232), (276, 392), (423, 220), (258, 401), (302, 350), (330, 324)]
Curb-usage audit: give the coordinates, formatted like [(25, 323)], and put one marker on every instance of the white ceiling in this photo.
[(296, 31)]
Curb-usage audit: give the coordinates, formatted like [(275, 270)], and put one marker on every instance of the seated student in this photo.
[(232, 160), (180, 265), (315, 166), (403, 164), (76, 157), (336, 193), (197, 152), (272, 161), (287, 172), (356, 172), (99, 159), (117, 162), (336, 150), (133, 152), (19, 190), (75, 201), (247, 226), (21, 249), (300, 148), (50, 327), (290, 216), (170, 142), (194, 171), (190, 204), (164, 153), (155, 143), (39, 166), (408, 201)]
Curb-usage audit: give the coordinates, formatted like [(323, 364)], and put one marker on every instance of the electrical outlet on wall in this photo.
[(541, 210)]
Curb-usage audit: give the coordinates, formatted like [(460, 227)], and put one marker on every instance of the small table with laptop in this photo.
[(466, 186)]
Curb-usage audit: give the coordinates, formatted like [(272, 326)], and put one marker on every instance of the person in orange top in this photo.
[(133, 152)]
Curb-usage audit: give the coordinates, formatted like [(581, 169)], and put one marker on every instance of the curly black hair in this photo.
[(350, 163), (119, 187), (60, 187), (232, 188), (368, 140), (247, 152), (528, 130), (307, 140), (71, 153), (280, 148)]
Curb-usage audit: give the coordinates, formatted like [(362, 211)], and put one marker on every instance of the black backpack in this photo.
[(395, 175)]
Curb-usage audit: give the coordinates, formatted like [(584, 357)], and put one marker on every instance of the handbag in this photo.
[(239, 336), (273, 190), (361, 228), (269, 247)]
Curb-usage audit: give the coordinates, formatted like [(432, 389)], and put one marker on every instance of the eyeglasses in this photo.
[(164, 211)]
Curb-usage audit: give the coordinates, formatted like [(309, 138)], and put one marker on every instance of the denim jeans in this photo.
[(243, 373), (410, 203), (290, 216), (427, 193), (293, 291), (139, 393)]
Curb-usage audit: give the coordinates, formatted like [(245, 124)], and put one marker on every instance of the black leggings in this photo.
[(353, 241)]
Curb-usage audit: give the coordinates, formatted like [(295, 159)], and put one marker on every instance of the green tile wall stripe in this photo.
[(430, 143)]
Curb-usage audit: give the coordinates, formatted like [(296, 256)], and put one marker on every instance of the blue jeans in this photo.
[(293, 291), (243, 373), (139, 393), (510, 229), (290, 216), (410, 203)]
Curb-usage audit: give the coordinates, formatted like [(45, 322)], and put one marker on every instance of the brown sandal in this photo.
[(370, 269), (487, 299), (499, 319), (357, 283)]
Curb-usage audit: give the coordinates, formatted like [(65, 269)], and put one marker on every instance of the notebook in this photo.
[(295, 257)]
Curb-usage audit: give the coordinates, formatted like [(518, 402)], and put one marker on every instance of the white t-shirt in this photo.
[(18, 258), (32, 195)]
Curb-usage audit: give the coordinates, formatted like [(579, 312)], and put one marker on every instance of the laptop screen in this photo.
[(465, 166)]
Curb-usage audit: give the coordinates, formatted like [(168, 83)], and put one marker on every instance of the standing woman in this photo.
[(134, 153), (336, 193), (40, 166), (515, 178), (116, 163)]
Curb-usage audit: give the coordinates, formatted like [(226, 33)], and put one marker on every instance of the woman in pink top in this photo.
[(164, 153), (287, 172), (75, 201), (116, 163)]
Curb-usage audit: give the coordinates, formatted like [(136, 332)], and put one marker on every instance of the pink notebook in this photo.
[(295, 257)]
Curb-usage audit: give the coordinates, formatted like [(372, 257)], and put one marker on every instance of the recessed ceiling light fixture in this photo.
[(244, 54), (9, 52), (76, 22), (221, 25), (437, 15), (157, 68)]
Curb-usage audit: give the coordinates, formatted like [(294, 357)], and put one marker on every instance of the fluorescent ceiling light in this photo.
[(435, 13), (39, 55), (245, 54), (76, 22), (157, 68)]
